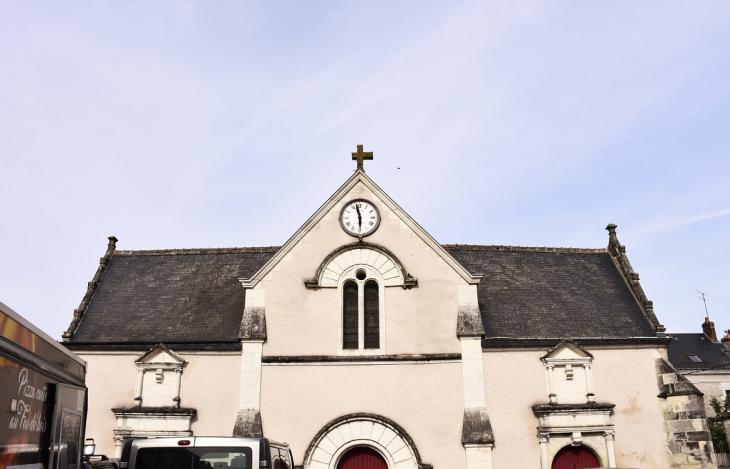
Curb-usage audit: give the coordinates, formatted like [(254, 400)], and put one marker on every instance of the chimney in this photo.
[(708, 327)]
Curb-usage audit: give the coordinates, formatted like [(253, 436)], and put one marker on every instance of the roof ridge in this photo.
[(173, 252), (479, 247)]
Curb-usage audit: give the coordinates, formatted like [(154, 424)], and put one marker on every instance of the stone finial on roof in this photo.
[(91, 289), (618, 251)]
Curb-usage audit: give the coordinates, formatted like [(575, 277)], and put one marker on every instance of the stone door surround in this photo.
[(367, 430)]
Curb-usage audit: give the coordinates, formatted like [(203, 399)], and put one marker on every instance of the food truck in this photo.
[(42, 398)]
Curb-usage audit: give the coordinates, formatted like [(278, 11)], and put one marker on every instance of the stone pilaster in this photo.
[(478, 456), (544, 439), (248, 420), (118, 446), (476, 433), (252, 335)]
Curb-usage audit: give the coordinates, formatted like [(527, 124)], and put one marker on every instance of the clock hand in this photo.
[(359, 217)]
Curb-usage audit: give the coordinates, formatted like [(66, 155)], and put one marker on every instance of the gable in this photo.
[(356, 187)]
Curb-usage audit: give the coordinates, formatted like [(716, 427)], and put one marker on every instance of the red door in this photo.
[(575, 457), (362, 458)]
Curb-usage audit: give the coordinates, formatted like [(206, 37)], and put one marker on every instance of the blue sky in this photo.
[(189, 124)]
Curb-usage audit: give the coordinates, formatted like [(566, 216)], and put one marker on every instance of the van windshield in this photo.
[(193, 458)]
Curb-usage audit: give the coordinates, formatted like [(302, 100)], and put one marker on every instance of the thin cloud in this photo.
[(677, 223)]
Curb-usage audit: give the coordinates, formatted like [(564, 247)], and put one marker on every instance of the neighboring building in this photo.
[(704, 361), (364, 339)]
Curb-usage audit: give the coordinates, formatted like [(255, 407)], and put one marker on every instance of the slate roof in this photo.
[(173, 296), (194, 296), (713, 354), (556, 293)]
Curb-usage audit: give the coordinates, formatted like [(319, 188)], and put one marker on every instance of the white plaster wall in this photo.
[(627, 378), (111, 380), (424, 399), (210, 384), (711, 385), (420, 320), (515, 381)]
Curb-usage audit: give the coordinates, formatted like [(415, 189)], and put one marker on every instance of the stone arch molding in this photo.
[(341, 260), (369, 430)]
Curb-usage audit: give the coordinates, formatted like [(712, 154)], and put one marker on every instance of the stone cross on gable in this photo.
[(360, 156)]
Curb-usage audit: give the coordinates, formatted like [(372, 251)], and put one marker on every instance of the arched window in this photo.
[(372, 315), (350, 336), (362, 312)]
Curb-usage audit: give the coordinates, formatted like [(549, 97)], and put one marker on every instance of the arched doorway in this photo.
[(575, 457), (333, 443), (362, 458)]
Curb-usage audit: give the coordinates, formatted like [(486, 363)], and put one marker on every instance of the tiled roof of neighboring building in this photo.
[(170, 296), (713, 354), (538, 293)]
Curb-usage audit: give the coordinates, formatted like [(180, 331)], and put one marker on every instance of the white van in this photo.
[(202, 452)]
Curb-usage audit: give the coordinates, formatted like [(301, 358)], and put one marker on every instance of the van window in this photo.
[(223, 458), (284, 462), (164, 458), (193, 458)]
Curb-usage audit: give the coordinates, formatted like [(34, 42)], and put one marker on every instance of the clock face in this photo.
[(359, 218)]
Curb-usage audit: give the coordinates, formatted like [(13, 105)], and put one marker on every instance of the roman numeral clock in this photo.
[(360, 218)]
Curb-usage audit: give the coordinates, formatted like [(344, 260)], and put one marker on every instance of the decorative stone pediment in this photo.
[(569, 376), (161, 355), (158, 378), (567, 351)]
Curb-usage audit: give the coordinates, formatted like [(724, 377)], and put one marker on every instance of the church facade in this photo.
[(362, 335)]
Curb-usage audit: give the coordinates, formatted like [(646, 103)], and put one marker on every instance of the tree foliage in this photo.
[(716, 428)]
